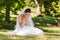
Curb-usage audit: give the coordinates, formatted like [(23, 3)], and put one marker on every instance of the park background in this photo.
[(45, 14)]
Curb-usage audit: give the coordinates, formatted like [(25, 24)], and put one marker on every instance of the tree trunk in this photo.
[(39, 7), (7, 17)]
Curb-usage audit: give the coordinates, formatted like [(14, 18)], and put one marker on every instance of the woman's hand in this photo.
[(20, 18)]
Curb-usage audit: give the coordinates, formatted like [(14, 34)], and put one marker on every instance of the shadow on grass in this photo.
[(7, 26), (51, 31), (44, 21), (53, 34)]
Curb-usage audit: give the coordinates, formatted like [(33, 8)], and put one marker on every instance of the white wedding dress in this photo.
[(25, 30)]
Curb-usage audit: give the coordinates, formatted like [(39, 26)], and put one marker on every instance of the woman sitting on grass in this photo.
[(25, 25)]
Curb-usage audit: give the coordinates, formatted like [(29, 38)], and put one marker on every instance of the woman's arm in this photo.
[(20, 21)]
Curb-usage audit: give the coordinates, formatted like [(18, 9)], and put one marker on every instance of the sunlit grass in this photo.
[(51, 29), (48, 36)]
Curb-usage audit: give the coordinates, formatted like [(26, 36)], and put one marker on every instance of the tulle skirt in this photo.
[(26, 30)]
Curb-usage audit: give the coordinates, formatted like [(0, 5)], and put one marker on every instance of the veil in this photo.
[(17, 26)]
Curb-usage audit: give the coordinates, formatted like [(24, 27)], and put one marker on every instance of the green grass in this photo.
[(48, 36), (47, 24), (15, 37)]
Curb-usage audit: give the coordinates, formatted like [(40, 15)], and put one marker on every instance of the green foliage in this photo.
[(30, 3), (52, 8), (11, 5)]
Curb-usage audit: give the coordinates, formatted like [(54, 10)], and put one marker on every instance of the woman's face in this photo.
[(26, 14)]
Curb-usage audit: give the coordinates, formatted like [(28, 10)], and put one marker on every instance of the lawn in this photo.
[(47, 24)]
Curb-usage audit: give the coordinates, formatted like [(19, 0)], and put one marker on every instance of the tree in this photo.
[(38, 7), (7, 17), (9, 4)]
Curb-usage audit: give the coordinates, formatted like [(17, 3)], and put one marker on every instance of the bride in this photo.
[(25, 25)]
